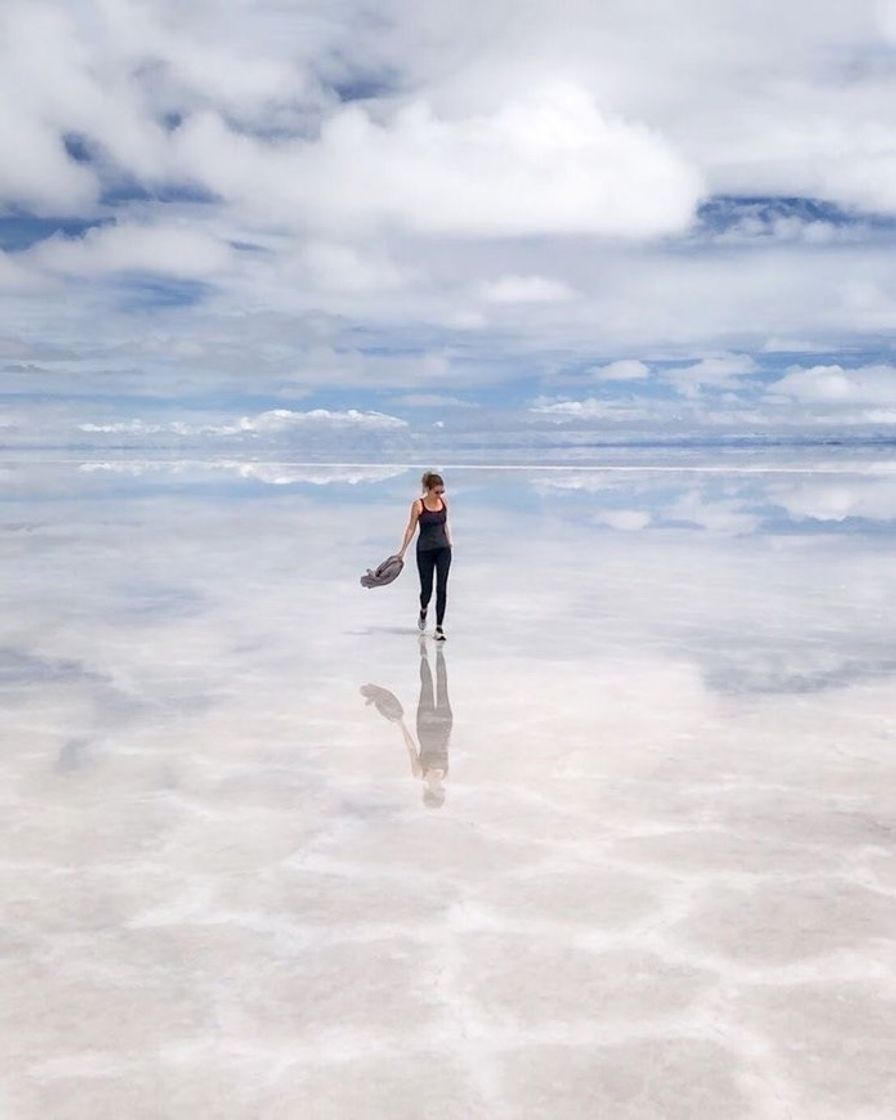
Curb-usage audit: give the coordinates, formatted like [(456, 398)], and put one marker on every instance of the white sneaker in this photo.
[(421, 621)]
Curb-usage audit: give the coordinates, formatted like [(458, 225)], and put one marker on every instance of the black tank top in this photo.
[(432, 528)]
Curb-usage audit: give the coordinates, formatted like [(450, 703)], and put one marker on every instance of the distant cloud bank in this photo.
[(277, 420)]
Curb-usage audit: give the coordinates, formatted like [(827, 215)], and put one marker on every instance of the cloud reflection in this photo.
[(722, 503)]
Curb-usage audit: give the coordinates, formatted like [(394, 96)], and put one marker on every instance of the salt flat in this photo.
[(657, 882)]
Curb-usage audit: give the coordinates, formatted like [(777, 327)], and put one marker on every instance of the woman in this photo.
[(433, 547)]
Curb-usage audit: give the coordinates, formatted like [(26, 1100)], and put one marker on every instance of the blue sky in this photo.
[(313, 227)]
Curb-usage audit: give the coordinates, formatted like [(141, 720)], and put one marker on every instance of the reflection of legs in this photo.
[(443, 563), (433, 727), (426, 703), (443, 704), (425, 564)]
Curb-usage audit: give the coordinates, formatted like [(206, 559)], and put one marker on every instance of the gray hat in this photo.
[(389, 570)]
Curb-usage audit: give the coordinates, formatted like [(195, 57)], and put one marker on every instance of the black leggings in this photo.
[(438, 560)]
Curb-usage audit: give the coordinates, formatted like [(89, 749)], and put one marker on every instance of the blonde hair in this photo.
[(431, 479)]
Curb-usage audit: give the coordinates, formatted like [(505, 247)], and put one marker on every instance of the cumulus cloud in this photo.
[(273, 421), (176, 251), (283, 473), (41, 177), (19, 279), (592, 482), (718, 516), (123, 68), (627, 520), (588, 409), (723, 371), (119, 70), (525, 289), (445, 197), (627, 369), (835, 386), (835, 499), (545, 162), (345, 268), (41, 39), (433, 400), (748, 222), (788, 346), (811, 101), (286, 474), (279, 419), (275, 474)]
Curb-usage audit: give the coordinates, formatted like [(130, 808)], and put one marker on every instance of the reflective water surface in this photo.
[(624, 847)]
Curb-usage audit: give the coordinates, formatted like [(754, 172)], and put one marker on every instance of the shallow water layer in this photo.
[(622, 847)]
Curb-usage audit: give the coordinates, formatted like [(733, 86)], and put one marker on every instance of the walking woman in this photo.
[(433, 547)]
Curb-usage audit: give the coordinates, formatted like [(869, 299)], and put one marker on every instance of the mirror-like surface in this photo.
[(622, 848)]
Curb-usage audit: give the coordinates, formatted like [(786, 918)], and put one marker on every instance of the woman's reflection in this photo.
[(429, 760)]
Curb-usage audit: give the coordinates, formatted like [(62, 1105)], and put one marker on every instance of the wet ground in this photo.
[(623, 848)]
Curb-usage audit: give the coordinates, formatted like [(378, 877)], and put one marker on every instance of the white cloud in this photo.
[(283, 474), (811, 101), (787, 346), (280, 419), (588, 409), (176, 251), (723, 371), (273, 421), (593, 482), (16, 277), (751, 226), (546, 162), (628, 369), (835, 386), (433, 400), (109, 72), (627, 520), (839, 498), (722, 516), (276, 474), (812, 104), (335, 267), (129, 426), (525, 289), (41, 177), (530, 152), (52, 71)]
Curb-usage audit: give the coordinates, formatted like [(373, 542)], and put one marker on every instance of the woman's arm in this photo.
[(447, 528), (410, 528), (413, 753)]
